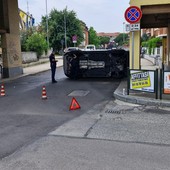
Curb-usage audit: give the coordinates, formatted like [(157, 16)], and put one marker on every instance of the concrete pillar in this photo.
[(135, 50), (11, 48), (164, 50), (168, 43)]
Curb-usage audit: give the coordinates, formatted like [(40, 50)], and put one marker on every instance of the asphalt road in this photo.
[(25, 117), (113, 135), (104, 134)]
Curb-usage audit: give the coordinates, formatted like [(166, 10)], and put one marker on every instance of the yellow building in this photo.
[(25, 20), (155, 14)]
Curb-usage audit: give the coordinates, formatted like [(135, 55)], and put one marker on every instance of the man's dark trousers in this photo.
[(53, 70)]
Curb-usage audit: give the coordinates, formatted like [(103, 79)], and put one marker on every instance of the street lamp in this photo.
[(47, 25), (123, 32)]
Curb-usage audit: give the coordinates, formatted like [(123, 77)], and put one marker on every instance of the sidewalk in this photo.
[(142, 98), (42, 65), (35, 67)]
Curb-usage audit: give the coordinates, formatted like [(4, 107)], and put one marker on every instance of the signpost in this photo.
[(133, 15), (74, 39)]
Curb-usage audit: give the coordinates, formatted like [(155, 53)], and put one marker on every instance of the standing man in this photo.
[(53, 63)]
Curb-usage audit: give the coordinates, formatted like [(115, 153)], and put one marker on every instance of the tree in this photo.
[(153, 43), (103, 40), (144, 37), (37, 43), (122, 39), (59, 22), (24, 34), (93, 38)]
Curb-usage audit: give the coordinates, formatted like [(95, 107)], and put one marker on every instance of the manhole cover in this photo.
[(79, 93)]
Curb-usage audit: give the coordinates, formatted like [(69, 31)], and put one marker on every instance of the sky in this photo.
[(103, 15)]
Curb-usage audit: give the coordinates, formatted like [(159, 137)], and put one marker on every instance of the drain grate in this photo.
[(113, 111)]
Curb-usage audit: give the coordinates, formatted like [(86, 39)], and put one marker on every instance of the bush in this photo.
[(151, 44), (144, 44), (37, 43)]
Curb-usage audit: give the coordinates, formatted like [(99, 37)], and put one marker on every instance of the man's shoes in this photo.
[(54, 81)]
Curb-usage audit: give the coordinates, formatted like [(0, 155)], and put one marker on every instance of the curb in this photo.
[(34, 63), (141, 100), (118, 94)]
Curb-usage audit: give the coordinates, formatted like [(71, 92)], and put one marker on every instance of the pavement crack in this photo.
[(91, 128)]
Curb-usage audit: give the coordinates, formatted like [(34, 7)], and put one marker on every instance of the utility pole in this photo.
[(47, 25), (65, 28), (27, 25), (27, 7)]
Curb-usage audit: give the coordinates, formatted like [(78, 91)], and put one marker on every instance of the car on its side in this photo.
[(90, 47), (71, 49)]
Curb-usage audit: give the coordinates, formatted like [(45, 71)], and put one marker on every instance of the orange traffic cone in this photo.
[(2, 90), (44, 95)]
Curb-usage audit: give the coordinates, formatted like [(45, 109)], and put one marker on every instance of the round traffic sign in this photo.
[(133, 14), (74, 38)]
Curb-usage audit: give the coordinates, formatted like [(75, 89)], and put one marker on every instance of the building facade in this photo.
[(154, 32), (155, 20)]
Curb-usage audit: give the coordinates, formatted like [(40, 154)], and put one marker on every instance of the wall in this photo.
[(28, 57)]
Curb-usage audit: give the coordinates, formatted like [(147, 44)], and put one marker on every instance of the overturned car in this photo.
[(97, 63)]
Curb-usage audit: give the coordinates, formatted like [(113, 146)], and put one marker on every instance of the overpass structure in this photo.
[(10, 38)]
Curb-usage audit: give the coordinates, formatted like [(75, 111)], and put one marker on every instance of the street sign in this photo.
[(127, 27), (74, 38), (132, 27), (133, 14)]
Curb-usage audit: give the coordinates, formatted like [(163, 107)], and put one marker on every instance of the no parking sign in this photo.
[(133, 14), (74, 38)]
